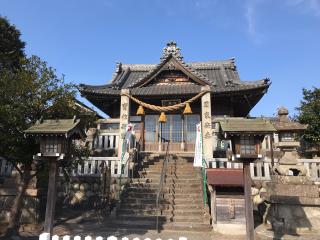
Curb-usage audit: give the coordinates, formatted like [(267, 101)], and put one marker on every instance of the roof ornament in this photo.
[(283, 114), (118, 67), (171, 48)]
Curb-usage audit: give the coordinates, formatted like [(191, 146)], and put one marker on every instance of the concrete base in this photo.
[(296, 218), (230, 229), (264, 232)]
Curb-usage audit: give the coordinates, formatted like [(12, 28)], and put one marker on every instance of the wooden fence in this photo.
[(46, 236)]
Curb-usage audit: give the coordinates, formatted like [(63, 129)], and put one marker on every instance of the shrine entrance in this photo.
[(179, 129)]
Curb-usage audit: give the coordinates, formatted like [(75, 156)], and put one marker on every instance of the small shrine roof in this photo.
[(59, 127), (283, 123), (245, 125)]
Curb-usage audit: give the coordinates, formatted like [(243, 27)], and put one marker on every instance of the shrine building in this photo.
[(171, 82)]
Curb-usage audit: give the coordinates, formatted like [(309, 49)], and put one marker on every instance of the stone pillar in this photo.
[(206, 124), (124, 120)]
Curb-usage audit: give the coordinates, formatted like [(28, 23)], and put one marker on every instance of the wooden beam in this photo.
[(51, 196), (248, 201)]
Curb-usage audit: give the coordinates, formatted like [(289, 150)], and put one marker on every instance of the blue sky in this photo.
[(269, 38)]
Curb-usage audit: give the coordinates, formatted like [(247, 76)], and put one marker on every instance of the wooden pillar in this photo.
[(213, 204), (248, 201), (206, 124), (124, 120), (51, 196)]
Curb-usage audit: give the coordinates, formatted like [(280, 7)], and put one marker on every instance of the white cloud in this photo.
[(250, 14), (306, 6)]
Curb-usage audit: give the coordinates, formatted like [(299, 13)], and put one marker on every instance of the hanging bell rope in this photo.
[(140, 111), (163, 117), (187, 109), (166, 108)]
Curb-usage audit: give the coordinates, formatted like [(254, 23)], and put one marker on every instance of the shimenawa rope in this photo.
[(165, 108)]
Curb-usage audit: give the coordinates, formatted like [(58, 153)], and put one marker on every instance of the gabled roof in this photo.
[(171, 62), (222, 75), (283, 123), (245, 125), (56, 127)]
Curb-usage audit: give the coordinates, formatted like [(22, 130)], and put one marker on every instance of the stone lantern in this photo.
[(55, 138), (246, 136), (288, 144), (292, 196)]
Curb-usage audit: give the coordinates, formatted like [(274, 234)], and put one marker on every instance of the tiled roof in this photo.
[(53, 127), (288, 125), (248, 125), (222, 76)]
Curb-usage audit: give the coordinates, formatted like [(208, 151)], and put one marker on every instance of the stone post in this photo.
[(124, 120), (206, 124)]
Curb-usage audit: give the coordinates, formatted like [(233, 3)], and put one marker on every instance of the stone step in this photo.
[(164, 212), (188, 226), (143, 212), (165, 189), (167, 184), (175, 201), (171, 196), (169, 166), (130, 221), (198, 218), (131, 200), (188, 212), (169, 171), (167, 206), (156, 178)]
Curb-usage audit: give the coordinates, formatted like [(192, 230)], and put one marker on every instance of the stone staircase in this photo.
[(181, 208)]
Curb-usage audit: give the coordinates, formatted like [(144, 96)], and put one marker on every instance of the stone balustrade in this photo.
[(261, 170)]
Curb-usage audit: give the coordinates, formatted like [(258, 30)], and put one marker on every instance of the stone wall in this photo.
[(32, 211), (81, 192)]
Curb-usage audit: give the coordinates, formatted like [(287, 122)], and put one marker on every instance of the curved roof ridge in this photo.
[(163, 61)]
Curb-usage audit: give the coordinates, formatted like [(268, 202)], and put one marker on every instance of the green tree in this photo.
[(25, 96), (28, 89), (309, 113), (11, 46)]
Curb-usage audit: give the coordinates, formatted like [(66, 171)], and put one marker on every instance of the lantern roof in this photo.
[(56, 127), (235, 125), (283, 123)]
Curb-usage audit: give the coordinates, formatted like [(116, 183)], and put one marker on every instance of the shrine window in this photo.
[(247, 145)]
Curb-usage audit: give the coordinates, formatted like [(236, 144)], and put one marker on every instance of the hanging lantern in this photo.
[(140, 111), (187, 109), (163, 117)]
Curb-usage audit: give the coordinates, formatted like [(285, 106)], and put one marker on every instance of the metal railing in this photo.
[(204, 181), (162, 181)]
